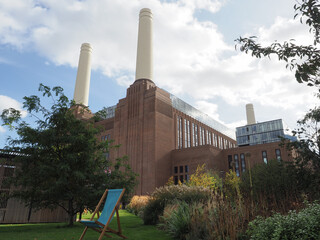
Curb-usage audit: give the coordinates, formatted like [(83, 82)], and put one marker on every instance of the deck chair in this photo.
[(110, 207)]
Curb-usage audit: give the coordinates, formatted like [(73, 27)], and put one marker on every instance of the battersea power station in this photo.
[(163, 136)]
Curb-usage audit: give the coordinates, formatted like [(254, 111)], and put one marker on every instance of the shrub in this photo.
[(274, 187), (177, 223), (204, 178), (137, 204), (169, 194), (302, 225)]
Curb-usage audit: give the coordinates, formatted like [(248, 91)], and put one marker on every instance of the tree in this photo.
[(308, 64), (60, 162)]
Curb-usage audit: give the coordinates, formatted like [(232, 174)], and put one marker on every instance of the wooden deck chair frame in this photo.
[(105, 228)]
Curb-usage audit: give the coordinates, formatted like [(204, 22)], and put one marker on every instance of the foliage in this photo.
[(302, 225), (274, 186), (168, 194), (137, 204), (204, 178), (177, 224), (170, 181), (304, 59), (60, 162), (232, 185)]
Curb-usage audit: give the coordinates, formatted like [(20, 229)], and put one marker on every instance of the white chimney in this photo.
[(144, 67), (81, 91), (250, 114)]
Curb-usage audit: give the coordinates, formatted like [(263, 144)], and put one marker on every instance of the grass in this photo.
[(132, 227)]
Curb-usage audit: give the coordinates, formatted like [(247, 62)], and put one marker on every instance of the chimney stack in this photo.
[(144, 64), (250, 114), (81, 91)]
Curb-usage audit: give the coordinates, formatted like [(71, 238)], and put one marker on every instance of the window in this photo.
[(243, 162), (107, 155), (193, 136), (186, 168), (264, 157), (236, 163), (200, 135), (181, 178), (176, 179), (175, 170), (203, 137), (210, 138), (278, 154), (181, 169), (187, 178), (185, 133), (179, 132), (188, 134), (230, 161), (196, 134), (207, 136)]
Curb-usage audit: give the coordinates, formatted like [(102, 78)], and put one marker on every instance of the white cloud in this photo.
[(2, 129), (8, 102), (190, 57)]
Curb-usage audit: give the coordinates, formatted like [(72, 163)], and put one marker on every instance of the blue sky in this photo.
[(194, 55)]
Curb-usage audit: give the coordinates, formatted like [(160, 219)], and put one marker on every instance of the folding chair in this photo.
[(102, 224)]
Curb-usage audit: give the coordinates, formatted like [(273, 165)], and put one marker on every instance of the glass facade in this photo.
[(259, 133), (184, 107)]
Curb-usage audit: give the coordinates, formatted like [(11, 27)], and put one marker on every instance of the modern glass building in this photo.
[(260, 133)]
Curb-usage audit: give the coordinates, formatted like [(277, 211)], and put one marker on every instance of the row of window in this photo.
[(106, 137), (260, 127), (190, 134), (180, 174), (181, 168), (239, 165)]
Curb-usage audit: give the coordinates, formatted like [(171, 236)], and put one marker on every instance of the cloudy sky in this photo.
[(194, 53)]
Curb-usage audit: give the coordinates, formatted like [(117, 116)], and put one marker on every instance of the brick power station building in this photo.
[(162, 135)]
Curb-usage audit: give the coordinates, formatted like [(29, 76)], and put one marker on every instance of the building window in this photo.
[(210, 138), (187, 178), (230, 161), (181, 169), (203, 137), (193, 136), (188, 134), (107, 155), (200, 136), (196, 134), (185, 133), (186, 168), (181, 178), (264, 156), (175, 170), (236, 164), (243, 162), (278, 154), (179, 132), (176, 179)]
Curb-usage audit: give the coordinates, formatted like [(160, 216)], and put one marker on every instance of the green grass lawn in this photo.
[(132, 227)]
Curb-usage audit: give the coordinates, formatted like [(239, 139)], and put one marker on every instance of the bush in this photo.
[(169, 194), (137, 204), (177, 223), (302, 225), (272, 186)]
